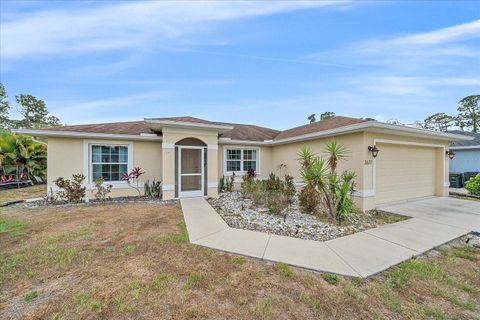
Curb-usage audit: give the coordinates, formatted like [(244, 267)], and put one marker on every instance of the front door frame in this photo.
[(195, 193)]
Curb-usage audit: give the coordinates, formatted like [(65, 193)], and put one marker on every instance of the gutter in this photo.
[(465, 147)]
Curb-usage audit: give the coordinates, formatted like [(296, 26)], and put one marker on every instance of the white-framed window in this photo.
[(240, 160), (108, 161)]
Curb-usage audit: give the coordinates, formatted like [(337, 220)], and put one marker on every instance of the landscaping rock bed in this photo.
[(41, 203), (239, 212)]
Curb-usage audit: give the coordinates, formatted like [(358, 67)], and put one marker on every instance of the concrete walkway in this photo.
[(435, 221)]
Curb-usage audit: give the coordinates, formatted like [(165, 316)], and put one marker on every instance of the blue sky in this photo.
[(267, 63)]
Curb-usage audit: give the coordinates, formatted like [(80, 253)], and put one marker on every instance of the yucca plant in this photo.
[(322, 181)]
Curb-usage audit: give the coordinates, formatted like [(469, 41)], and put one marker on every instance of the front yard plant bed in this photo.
[(242, 213), (132, 199)]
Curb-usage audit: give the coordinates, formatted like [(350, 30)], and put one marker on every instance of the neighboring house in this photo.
[(189, 154), (467, 153)]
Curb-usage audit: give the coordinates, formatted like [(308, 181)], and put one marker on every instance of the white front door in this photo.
[(190, 171)]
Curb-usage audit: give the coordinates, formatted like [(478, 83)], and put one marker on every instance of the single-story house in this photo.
[(189, 155), (467, 153)]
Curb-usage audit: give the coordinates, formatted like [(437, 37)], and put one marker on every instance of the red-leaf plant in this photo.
[(134, 174)]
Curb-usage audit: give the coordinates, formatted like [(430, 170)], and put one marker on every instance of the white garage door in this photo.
[(404, 172)]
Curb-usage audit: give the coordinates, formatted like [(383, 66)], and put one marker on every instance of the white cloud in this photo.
[(116, 108), (130, 25), (449, 34)]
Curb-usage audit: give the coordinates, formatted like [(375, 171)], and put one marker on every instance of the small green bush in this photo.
[(285, 270), (30, 296), (473, 185), (330, 278), (239, 260), (71, 190), (309, 199), (226, 183), (102, 191), (153, 189), (276, 202)]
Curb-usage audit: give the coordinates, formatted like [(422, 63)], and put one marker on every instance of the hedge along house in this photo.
[(189, 155)]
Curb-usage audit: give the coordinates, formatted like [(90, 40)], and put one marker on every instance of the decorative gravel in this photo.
[(131, 199), (241, 213)]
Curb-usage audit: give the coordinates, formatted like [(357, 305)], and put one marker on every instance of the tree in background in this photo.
[(34, 112), (469, 113), (327, 115), (438, 122), (324, 116), (4, 108)]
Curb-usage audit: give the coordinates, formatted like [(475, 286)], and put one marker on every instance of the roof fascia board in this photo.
[(75, 134)]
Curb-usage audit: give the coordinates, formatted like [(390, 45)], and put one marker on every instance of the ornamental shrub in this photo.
[(72, 190), (473, 185)]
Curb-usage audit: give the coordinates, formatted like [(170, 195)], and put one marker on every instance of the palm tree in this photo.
[(20, 150)]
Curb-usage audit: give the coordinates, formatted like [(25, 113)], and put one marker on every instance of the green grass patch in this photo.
[(128, 249), (352, 291), (435, 313), (30, 296), (468, 305), (414, 268), (181, 237), (331, 278), (311, 302), (285, 270), (239, 260), (263, 308), (391, 301), (465, 252), (193, 280), (161, 281), (12, 227)]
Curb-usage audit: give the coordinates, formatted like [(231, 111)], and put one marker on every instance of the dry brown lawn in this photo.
[(133, 261), (36, 191)]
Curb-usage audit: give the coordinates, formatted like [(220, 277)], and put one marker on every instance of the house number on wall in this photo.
[(368, 162)]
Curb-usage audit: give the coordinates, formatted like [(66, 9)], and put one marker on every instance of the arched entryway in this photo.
[(190, 168)]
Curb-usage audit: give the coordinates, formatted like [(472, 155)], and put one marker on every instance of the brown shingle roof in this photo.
[(239, 132), (130, 127), (322, 125)]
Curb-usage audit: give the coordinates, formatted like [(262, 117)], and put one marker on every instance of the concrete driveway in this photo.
[(448, 211), (435, 221)]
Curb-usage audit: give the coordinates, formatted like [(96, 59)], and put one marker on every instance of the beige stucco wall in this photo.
[(287, 154), (66, 157)]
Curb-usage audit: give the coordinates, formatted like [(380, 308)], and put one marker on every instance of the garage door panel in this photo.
[(404, 172)]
